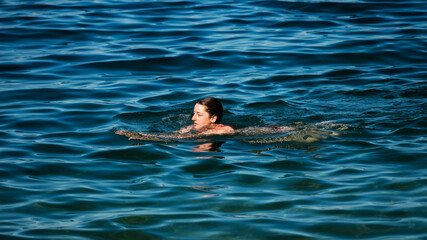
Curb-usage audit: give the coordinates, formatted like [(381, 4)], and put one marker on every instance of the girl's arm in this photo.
[(183, 133), (141, 136)]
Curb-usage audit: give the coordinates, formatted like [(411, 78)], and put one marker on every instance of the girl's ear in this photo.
[(213, 118)]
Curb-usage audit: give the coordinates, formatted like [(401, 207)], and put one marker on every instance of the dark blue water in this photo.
[(73, 72)]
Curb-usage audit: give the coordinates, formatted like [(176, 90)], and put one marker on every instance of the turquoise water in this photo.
[(74, 72)]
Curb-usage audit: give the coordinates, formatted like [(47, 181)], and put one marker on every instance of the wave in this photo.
[(302, 133)]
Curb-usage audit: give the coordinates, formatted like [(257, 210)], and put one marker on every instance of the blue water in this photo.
[(74, 72)]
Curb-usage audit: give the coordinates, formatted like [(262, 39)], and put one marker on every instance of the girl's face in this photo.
[(201, 118)]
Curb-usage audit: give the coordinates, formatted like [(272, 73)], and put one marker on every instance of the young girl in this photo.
[(207, 115)]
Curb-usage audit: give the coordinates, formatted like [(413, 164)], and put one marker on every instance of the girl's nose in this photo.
[(193, 118)]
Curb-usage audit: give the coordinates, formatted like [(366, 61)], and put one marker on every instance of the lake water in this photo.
[(74, 72)]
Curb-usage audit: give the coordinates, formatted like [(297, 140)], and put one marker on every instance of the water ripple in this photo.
[(73, 72)]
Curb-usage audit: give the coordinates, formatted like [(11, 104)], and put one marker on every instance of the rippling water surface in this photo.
[(73, 72)]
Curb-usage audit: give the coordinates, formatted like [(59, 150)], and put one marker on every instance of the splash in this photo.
[(297, 132)]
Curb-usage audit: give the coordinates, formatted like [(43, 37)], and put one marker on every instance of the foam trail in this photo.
[(255, 135)]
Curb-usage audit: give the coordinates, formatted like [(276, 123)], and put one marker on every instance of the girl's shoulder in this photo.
[(225, 128)]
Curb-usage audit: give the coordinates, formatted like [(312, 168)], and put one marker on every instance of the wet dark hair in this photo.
[(213, 107)]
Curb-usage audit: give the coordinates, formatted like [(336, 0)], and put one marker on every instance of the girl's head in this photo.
[(213, 107), (207, 111)]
